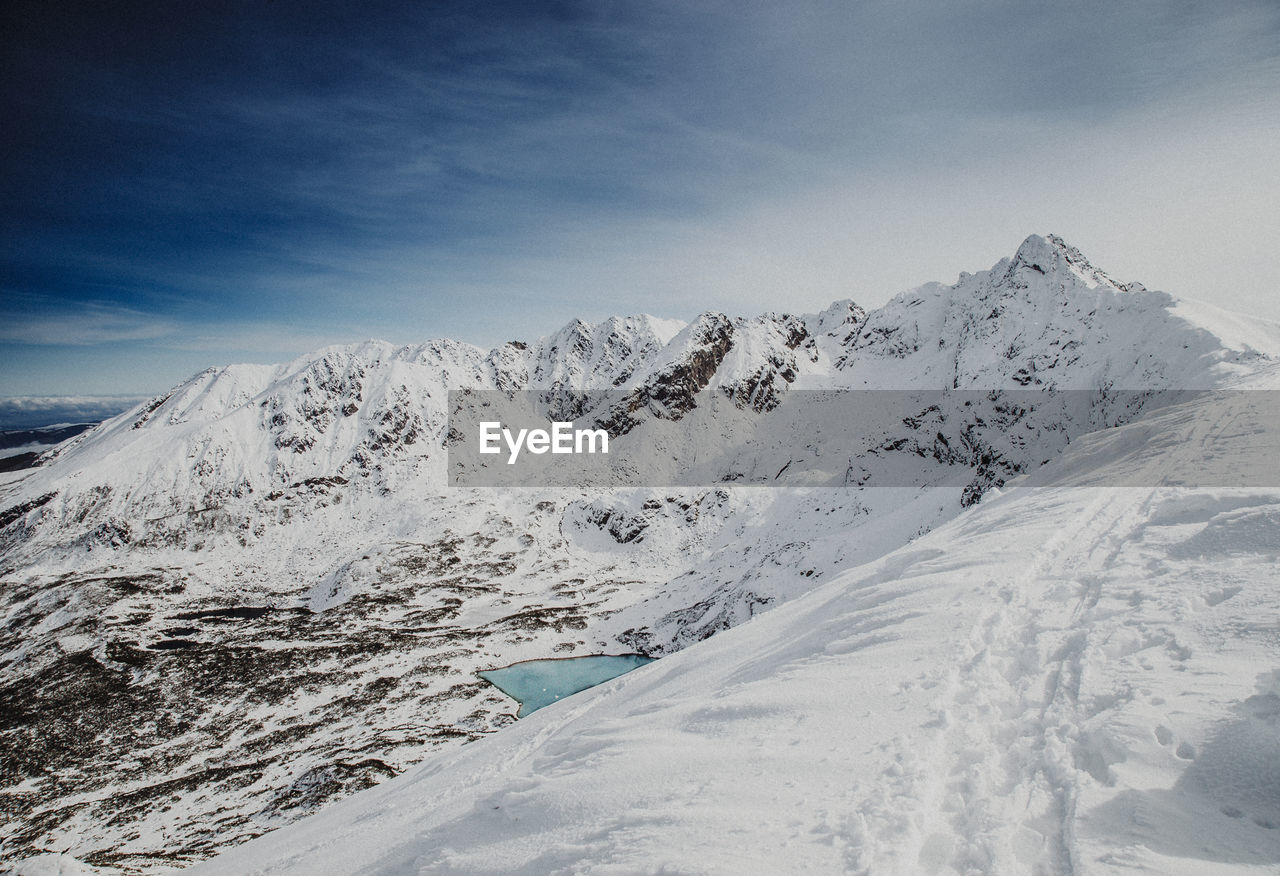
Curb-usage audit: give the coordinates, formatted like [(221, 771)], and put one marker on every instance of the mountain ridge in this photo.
[(1061, 680), (279, 541)]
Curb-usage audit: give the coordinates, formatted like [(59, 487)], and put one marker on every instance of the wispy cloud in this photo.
[(492, 170), (266, 342), (39, 404), (34, 319)]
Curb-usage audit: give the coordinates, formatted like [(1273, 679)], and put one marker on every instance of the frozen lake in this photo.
[(538, 683)]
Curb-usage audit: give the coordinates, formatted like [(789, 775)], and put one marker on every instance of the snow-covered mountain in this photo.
[(256, 594), (1057, 681)]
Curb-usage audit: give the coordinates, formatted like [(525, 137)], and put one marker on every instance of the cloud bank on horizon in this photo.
[(185, 186), (30, 412)]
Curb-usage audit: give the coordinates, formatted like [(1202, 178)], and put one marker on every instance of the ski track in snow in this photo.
[(1007, 695), (1061, 681)]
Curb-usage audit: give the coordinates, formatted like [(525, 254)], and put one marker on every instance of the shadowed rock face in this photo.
[(674, 387)]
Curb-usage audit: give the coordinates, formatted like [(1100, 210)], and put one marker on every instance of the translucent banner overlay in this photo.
[(865, 438)]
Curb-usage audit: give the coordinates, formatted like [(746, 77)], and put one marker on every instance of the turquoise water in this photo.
[(538, 683)]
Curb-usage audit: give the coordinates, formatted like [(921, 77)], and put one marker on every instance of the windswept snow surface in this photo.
[(1060, 680)]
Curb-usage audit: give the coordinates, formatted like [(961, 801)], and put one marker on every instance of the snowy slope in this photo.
[(1048, 318), (257, 595), (1062, 680)]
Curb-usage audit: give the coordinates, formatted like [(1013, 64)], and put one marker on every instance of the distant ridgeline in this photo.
[(20, 448)]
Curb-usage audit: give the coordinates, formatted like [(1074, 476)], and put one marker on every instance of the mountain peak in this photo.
[(1035, 250), (1052, 255)]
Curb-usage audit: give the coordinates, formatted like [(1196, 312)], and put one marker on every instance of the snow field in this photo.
[(1046, 685)]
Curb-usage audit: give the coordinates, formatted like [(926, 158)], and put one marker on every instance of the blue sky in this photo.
[(187, 185)]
